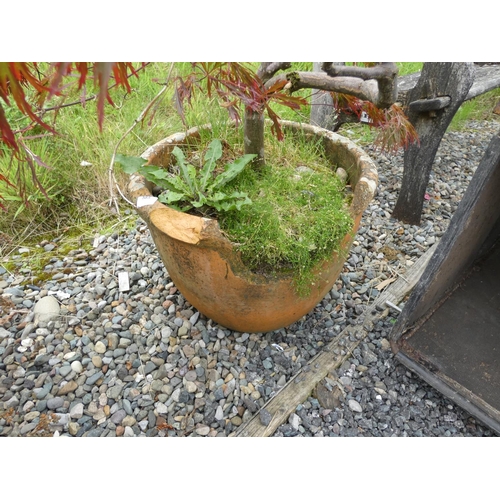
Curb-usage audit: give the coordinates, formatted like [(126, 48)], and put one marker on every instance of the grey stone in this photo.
[(265, 417), (355, 406), (127, 407), (54, 403), (94, 378), (118, 417), (64, 370), (114, 392)]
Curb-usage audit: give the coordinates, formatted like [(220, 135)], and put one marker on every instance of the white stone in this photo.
[(76, 366), (46, 309), (27, 342), (28, 406), (355, 406), (176, 394), (100, 348), (129, 432), (161, 408), (190, 386), (203, 430), (294, 421), (219, 413), (77, 411)]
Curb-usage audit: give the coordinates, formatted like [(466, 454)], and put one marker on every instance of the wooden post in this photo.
[(323, 113), (446, 86)]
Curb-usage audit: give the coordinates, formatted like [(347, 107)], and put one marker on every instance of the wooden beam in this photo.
[(486, 78), (300, 386)]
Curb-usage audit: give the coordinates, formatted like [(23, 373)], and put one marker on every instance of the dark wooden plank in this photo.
[(461, 339), (469, 401), (456, 349), (468, 232), (424, 105)]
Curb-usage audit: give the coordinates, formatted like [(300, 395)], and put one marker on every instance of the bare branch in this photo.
[(347, 85), (268, 69), (381, 71), (380, 91)]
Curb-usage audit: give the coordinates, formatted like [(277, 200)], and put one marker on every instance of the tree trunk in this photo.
[(437, 81), (254, 136)]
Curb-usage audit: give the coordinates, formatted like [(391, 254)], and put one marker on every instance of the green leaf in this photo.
[(153, 173), (171, 198), (232, 170), (164, 180), (202, 200), (226, 202), (129, 164), (181, 161), (193, 175), (213, 153)]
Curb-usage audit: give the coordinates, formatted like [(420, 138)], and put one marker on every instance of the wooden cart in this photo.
[(449, 330)]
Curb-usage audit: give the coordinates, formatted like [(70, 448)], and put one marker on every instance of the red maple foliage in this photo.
[(17, 79)]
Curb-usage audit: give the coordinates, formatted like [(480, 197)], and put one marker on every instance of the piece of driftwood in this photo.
[(437, 82), (339, 350), (486, 78)]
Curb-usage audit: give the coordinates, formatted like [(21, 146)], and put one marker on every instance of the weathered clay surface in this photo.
[(206, 267)]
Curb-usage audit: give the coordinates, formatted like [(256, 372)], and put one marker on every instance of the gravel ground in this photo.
[(143, 362)]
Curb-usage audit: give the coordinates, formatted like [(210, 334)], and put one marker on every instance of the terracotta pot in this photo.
[(206, 267)]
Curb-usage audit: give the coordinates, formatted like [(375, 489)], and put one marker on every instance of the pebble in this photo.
[(71, 386), (46, 309), (145, 362), (355, 406), (100, 347), (77, 366), (76, 412), (54, 403)]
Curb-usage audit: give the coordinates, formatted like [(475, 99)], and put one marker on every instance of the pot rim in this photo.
[(140, 190)]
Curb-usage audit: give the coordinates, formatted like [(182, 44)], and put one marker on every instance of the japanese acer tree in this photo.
[(355, 89)]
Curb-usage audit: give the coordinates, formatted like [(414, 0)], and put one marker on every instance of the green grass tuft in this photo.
[(480, 108), (298, 215)]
